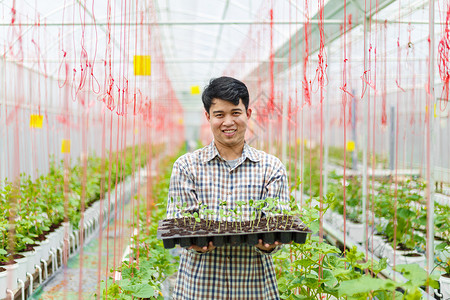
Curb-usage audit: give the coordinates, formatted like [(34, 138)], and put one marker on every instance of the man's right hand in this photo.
[(205, 249)]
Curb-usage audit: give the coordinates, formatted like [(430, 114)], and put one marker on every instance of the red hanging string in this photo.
[(306, 84), (384, 94), (270, 104), (443, 59)]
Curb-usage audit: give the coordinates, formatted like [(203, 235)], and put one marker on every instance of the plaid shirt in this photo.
[(240, 272)]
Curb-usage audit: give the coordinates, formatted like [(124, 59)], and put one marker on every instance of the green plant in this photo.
[(37, 205), (444, 247), (3, 240), (441, 217), (196, 218), (143, 279), (223, 214), (407, 216), (316, 270), (240, 212), (353, 196)]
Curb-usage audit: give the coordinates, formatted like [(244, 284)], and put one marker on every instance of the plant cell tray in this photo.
[(182, 232)]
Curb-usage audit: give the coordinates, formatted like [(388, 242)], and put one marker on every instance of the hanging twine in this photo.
[(443, 58)]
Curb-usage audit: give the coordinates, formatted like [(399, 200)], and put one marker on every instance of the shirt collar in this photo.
[(211, 152)]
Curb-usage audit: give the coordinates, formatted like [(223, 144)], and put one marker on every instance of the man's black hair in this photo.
[(225, 88)]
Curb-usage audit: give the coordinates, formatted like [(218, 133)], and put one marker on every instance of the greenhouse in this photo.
[(225, 149)]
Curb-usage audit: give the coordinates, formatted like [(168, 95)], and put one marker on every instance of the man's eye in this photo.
[(236, 113), (218, 115)]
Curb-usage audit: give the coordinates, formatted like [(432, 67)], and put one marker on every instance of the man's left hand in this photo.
[(266, 247)]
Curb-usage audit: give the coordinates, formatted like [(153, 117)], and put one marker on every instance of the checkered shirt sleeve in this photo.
[(239, 272)]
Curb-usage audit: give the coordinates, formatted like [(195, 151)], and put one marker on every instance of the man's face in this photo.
[(228, 122)]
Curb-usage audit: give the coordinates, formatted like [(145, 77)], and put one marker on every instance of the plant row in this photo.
[(149, 263), (396, 213), (33, 208)]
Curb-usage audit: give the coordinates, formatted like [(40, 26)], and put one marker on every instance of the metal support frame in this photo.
[(74, 244), (208, 23), (30, 288), (22, 287), (40, 273), (52, 252), (45, 268), (9, 291), (60, 255), (429, 146)]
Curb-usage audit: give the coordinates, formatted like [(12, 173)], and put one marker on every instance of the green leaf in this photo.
[(405, 213), (27, 240), (341, 272), (328, 278), (387, 295), (442, 246), (365, 284), (142, 290), (299, 297), (3, 252), (417, 276), (303, 262)]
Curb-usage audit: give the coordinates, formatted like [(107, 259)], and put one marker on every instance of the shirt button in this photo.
[(228, 257), (229, 193)]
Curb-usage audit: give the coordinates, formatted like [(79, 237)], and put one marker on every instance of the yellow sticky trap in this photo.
[(142, 65), (195, 90), (65, 146), (435, 115), (36, 121), (180, 121), (350, 146)]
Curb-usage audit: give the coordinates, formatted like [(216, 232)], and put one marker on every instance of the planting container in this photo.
[(355, 231), (21, 271), (172, 232), (377, 244), (8, 279), (404, 256), (444, 286)]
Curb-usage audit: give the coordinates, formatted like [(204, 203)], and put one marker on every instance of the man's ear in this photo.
[(207, 115), (249, 113)]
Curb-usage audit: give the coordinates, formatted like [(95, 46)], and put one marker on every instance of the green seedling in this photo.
[(252, 219), (209, 216), (196, 218), (271, 204), (234, 214), (259, 204), (222, 213), (277, 214), (240, 204), (182, 209)]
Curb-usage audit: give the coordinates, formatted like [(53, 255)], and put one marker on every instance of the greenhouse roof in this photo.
[(205, 39)]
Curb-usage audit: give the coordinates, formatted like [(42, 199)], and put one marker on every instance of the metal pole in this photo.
[(392, 140), (354, 136), (429, 141), (365, 141), (284, 124), (175, 23), (206, 23), (326, 138)]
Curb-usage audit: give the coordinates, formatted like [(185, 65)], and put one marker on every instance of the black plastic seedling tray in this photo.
[(181, 232)]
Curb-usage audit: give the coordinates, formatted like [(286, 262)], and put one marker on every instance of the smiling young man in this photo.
[(227, 169)]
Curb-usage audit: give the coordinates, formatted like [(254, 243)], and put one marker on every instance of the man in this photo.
[(227, 169)]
